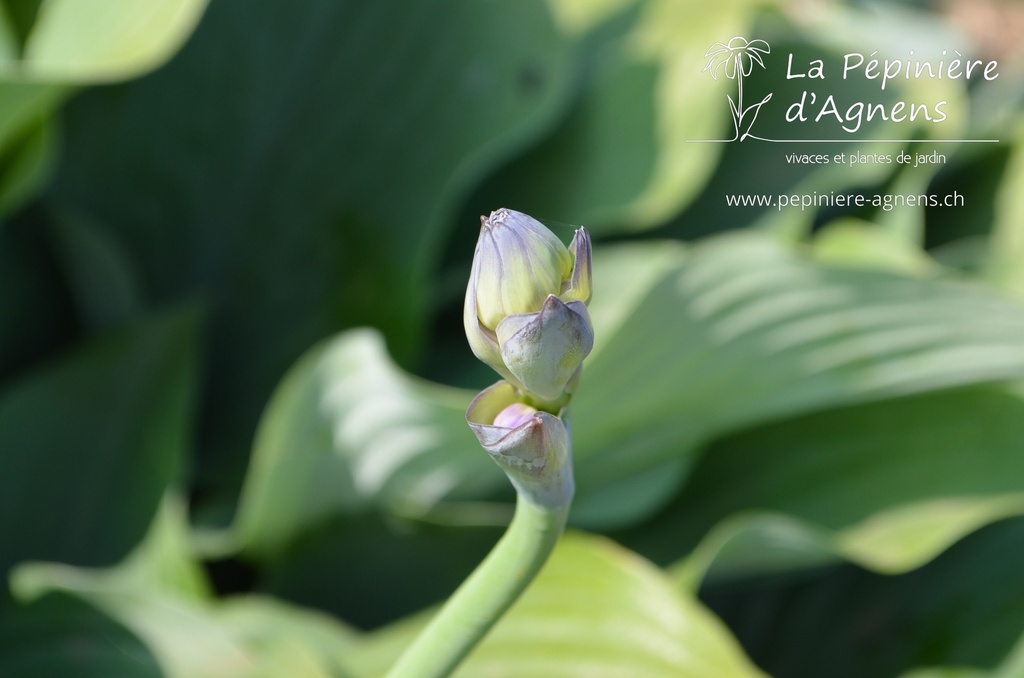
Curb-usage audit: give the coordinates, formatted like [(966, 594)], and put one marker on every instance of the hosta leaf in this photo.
[(159, 593), (46, 48), (735, 332), (69, 41), (26, 163), (307, 184), (746, 331), (887, 485), (89, 444), (595, 610), (61, 635), (964, 610), (160, 563), (420, 562), (946, 673), (852, 242), (643, 97), (347, 430), (103, 283), (1006, 260), (27, 139)]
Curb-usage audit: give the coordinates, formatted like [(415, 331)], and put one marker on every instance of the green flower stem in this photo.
[(486, 595)]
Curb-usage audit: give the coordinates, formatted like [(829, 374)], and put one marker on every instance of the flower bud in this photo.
[(545, 350), (532, 447), (525, 312)]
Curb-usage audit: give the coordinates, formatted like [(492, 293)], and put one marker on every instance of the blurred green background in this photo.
[(234, 246)]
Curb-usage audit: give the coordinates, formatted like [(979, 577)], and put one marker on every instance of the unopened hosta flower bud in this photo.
[(525, 312), (532, 447)]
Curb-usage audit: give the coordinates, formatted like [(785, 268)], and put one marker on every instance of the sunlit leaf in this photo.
[(579, 17), (959, 672), (737, 332), (595, 610), (27, 138), (347, 430), (1006, 264), (69, 41), (851, 242), (28, 158), (746, 332)]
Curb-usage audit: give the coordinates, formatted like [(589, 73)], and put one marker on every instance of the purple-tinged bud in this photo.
[(533, 448), (525, 312)]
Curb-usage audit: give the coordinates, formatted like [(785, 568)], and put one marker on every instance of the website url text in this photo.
[(807, 201)]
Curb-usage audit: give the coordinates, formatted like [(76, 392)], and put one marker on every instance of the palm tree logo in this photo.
[(738, 57)]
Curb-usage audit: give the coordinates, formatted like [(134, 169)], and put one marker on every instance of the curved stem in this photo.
[(485, 596)]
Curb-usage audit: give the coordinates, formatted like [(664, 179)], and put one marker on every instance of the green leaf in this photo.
[(582, 17), (736, 332), (287, 640), (30, 280), (27, 144), (959, 672), (347, 430), (60, 635), (160, 564), (621, 156), (887, 485), (612, 125), (25, 164), (160, 594), (306, 186), (69, 41), (964, 610), (852, 242), (89, 444), (744, 332), (379, 568), (677, 35), (27, 139), (45, 48), (594, 610), (1006, 260), (16, 19), (102, 281)]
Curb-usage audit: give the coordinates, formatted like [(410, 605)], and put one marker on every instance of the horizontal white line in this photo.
[(851, 141)]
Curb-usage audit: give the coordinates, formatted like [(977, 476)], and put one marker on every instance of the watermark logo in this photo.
[(822, 102), (737, 59)]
